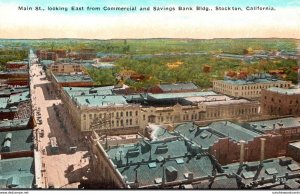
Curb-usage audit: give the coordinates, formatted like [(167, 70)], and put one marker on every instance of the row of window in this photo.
[(113, 114), (201, 115), (251, 87)]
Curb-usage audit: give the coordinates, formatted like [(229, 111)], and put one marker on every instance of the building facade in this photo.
[(131, 114), (250, 88), (280, 102), (65, 68)]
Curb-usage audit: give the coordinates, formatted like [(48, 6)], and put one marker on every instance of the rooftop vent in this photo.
[(161, 149), (171, 174), (8, 136), (132, 153), (188, 175), (6, 146), (87, 101), (285, 161), (203, 135), (152, 165), (179, 161), (160, 159)]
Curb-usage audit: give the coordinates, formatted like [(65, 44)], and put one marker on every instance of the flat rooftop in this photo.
[(178, 86), (20, 97), (285, 91), (9, 91), (201, 135), (87, 91), (99, 101), (17, 173), (18, 62), (179, 95), (16, 123), (254, 81), (65, 78), (266, 125), (270, 167), (149, 159), (17, 141), (234, 131), (14, 72)]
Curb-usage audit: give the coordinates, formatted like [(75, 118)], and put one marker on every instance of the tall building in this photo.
[(280, 102), (248, 88), (132, 113)]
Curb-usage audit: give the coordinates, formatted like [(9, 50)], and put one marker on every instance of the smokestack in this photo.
[(262, 150), (242, 152)]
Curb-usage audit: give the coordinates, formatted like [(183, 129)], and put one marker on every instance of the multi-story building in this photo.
[(15, 77), (65, 68), (134, 112), (71, 80), (280, 102), (175, 87), (248, 88), (99, 107), (176, 161), (288, 127), (17, 65)]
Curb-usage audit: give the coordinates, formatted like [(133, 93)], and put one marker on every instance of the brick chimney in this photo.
[(242, 152), (262, 150)]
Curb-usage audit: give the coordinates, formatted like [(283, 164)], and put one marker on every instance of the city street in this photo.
[(63, 169)]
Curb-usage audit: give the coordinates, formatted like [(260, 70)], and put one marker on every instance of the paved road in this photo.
[(55, 123)]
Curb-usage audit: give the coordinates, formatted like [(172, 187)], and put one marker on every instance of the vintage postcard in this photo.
[(109, 94)]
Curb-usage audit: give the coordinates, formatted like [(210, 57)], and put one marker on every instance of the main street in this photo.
[(63, 169)]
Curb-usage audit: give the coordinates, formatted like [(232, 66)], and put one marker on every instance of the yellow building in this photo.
[(66, 67), (100, 109), (249, 88)]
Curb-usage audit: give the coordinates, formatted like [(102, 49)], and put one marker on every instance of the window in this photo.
[(130, 121), (130, 113), (121, 114), (136, 113), (144, 117), (84, 117), (121, 122), (126, 113), (117, 114)]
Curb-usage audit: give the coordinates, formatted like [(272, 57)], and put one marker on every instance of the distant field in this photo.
[(151, 46), (152, 57)]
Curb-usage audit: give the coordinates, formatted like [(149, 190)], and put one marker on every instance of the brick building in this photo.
[(13, 65), (71, 80), (280, 102)]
